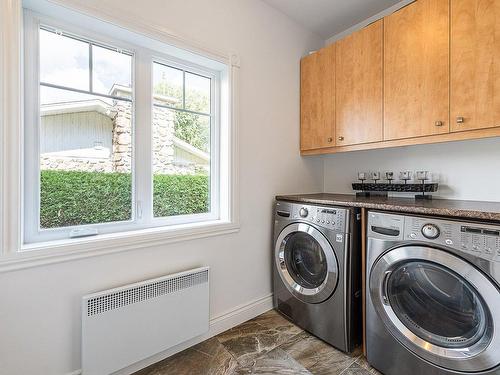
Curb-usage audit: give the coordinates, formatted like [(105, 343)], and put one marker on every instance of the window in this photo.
[(182, 115), (119, 135), (85, 135)]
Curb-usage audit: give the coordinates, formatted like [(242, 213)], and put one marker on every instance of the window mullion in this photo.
[(31, 178), (183, 89), (143, 140), (91, 69)]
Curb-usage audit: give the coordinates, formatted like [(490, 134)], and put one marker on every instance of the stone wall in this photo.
[(162, 142), (75, 164), (121, 154)]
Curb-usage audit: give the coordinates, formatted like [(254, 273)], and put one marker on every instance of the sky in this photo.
[(64, 61)]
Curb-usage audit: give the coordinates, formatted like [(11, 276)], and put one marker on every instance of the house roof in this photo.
[(92, 105), (191, 149)]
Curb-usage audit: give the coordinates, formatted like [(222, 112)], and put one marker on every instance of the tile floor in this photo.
[(267, 344)]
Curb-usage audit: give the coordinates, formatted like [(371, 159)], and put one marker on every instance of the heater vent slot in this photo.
[(115, 300)]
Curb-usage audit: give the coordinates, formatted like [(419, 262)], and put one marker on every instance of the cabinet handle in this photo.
[(439, 123), (460, 120), (330, 139), (341, 138)]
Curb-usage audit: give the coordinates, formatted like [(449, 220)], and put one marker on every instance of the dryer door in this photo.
[(306, 263), (439, 306)]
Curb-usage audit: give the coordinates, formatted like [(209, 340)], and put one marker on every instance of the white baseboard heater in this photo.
[(124, 325)]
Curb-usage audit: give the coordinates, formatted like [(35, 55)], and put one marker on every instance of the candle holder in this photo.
[(365, 191), (423, 176), (421, 185), (405, 176), (362, 176), (389, 176)]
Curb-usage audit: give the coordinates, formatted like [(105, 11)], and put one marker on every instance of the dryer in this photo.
[(433, 297), (316, 270)]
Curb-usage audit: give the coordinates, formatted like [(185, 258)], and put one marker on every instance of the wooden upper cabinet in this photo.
[(416, 70), (475, 64), (317, 99), (359, 71)]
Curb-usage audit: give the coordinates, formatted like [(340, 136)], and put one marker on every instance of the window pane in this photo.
[(85, 159), (167, 85), (197, 93), (64, 61), (111, 72), (181, 163)]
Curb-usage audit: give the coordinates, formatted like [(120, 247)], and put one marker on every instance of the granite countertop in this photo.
[(489, 211)]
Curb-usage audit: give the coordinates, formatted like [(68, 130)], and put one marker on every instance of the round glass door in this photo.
[(439, 306), (305, 260), (306, 263)]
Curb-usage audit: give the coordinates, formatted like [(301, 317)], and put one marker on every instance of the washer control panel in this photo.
[(482, 240), (332, 218)]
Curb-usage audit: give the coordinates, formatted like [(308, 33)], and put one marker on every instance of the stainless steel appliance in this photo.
[(433, 299), (317, 270)]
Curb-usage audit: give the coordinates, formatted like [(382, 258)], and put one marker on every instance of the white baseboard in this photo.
[(218, 325)]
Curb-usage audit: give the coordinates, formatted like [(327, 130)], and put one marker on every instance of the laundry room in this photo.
[(226, 187)]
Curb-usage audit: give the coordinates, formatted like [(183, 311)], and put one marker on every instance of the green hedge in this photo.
[(180, 194), (75, 198)]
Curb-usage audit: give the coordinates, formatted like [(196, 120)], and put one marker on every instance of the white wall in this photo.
[(466, 170), (40, 307)]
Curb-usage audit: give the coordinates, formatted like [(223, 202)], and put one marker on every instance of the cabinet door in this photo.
[(416, 70), (359, 86), (475, 64), (317, 99)]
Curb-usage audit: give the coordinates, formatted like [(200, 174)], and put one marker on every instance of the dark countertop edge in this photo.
[(450, 212)]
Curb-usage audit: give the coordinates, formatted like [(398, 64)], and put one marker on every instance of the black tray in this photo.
[(402, 188)]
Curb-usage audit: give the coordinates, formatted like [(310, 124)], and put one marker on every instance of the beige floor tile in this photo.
[(258, 336), (276, 362), (207, 358), (316, 355), (268, 344)]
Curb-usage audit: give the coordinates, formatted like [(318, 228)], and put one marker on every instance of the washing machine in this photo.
[(433, 299), (317, 270)]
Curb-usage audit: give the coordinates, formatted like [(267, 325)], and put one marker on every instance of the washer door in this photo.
[(306, 263), (439, 306)]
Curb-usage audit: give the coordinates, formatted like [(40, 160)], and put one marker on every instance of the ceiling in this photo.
[(330, 17)]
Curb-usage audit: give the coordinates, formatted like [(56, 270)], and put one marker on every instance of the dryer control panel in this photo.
[(482, 240)]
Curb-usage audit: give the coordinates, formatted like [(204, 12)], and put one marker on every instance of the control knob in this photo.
[(430, 231), (303, 212)]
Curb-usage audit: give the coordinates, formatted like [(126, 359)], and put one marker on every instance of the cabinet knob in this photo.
[(330, 139), (460, 120), (341, 138), (439, 123)]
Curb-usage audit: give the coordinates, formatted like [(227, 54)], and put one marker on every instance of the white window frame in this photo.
[(215, 95), (141, 198), (14, 253)]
